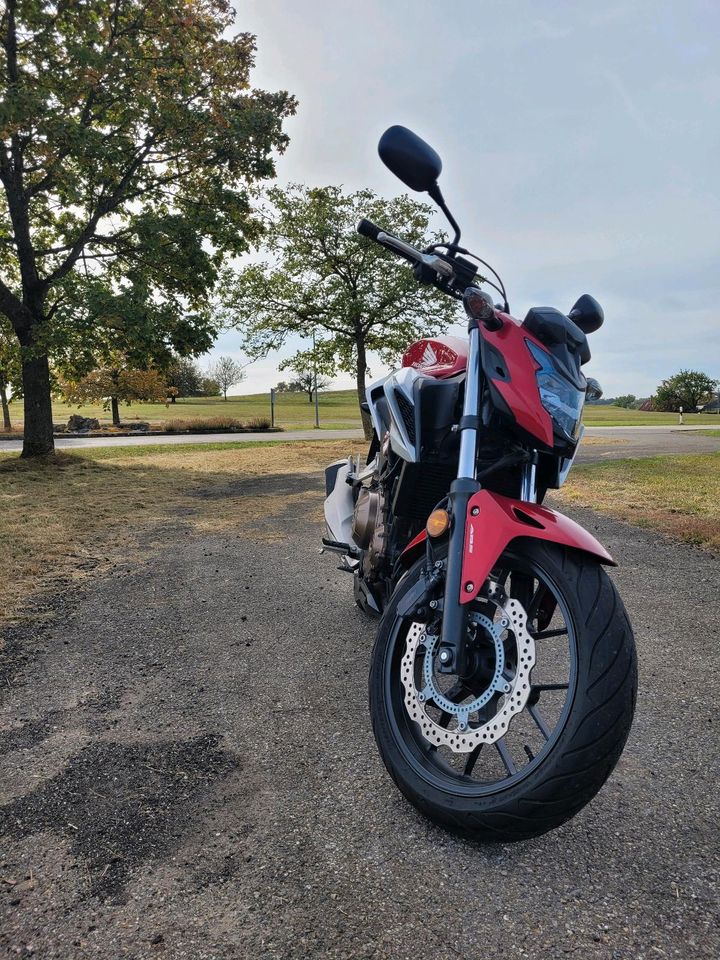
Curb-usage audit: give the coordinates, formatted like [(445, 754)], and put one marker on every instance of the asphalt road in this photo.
[(187, 771), (622, 441)]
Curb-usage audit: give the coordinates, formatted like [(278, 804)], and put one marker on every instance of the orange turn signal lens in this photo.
[(437, 523)]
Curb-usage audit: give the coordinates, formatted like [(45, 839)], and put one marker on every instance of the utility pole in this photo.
[(272, 406)]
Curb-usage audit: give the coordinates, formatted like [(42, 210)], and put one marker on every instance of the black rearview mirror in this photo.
[(411, 159), (587, 314)]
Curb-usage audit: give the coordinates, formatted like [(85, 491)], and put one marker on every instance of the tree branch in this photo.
[(103, 207)]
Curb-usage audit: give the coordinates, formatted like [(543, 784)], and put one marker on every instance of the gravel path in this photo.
[(187, 771)]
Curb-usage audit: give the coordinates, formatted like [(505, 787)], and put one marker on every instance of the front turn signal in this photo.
[(437, 523)]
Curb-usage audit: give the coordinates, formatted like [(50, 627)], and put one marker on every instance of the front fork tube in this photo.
[(453, 652)]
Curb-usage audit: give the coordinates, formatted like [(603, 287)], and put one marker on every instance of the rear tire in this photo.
[(583, 748)]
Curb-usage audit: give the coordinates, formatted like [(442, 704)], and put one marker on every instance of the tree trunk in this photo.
[(115, 407), (7, 425), (361, 370), (38, 441)]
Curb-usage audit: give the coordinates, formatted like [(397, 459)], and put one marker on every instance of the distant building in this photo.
[(647, 405)]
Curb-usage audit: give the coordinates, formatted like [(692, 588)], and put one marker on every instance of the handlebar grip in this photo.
[(367, 228)]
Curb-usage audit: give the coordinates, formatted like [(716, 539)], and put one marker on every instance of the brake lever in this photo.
[(432, 262)]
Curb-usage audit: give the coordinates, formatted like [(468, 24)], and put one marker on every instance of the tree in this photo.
[(686, 389), (307, 376), (124, 326), (227, 372), (113, 386), (323, 275), (129, 140), (626, 401), (210, 387), (184, 378)]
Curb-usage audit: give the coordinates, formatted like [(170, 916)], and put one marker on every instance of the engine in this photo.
[(370, 529)]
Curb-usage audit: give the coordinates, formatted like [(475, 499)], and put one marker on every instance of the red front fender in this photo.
[(494, 521)]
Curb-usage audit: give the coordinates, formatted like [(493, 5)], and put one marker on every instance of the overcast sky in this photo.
[(580, 144)]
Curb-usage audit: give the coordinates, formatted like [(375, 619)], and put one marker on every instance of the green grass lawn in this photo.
[(338, 410), (679, 495), (609, 416)]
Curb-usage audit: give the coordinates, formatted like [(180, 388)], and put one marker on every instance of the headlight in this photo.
[(563, 401)]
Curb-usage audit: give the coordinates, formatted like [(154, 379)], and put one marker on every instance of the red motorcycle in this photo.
[(503, 676)]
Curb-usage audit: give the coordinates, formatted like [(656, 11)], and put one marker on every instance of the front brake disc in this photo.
[(512, 692)]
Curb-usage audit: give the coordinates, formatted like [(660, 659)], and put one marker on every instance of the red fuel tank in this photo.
[(437, 356)]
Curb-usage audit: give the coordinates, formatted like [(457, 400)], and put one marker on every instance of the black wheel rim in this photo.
[(518, 754)]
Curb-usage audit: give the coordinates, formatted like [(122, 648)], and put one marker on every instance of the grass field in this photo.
[(609, 416), (338, 410), (678, 495)]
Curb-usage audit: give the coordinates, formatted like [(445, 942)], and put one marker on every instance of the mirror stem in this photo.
[(437, 196)]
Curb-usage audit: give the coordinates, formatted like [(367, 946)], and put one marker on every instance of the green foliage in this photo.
[(323, 275), (98, 323), (687, 389), (210, 387), (131, 142), (185, 378), (9, 369), (626, 401), (9, 357), (108, 384)]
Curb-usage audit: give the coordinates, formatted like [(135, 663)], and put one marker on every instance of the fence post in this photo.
[(272, 406)]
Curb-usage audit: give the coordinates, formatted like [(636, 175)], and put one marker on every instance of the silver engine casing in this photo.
[(359, 519)]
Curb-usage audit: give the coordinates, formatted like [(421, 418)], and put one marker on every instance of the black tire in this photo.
[(591, 730)]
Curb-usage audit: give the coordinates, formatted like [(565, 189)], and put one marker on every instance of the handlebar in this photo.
[(371, 230), (440, 265)]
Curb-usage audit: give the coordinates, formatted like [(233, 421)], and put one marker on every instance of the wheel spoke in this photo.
[(539, 687), (537, 598), (472, 760), (540, 723), (546, 634), (505, 756), (521, 588)]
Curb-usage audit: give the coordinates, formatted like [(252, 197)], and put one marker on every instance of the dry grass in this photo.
[(677, 495), (601, 441), (75, 515), (207, 423)]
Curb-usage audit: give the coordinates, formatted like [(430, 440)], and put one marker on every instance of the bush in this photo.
[(203, 424), (259, 423)]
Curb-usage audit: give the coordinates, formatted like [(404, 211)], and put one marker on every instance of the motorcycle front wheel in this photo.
[(528, 738)]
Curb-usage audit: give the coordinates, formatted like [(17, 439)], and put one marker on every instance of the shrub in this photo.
[(259, 423), (205, 424)]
